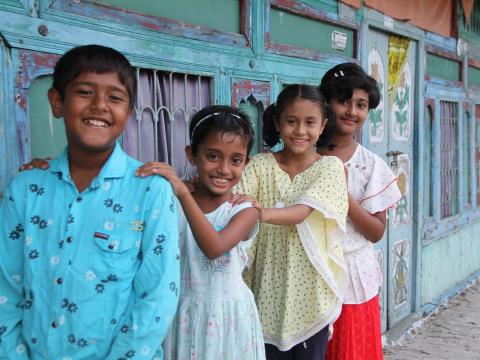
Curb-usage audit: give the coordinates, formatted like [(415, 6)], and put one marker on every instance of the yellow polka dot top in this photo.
[(297, 272)]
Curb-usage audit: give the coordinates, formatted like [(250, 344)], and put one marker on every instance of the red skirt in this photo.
[(357, 333)]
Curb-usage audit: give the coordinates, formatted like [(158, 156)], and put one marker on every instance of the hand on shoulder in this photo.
[(41, 164)]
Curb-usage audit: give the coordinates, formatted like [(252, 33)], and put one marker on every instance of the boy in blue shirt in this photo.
[(89, 265)]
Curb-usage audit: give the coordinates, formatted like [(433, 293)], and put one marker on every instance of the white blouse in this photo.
[(374, 186)]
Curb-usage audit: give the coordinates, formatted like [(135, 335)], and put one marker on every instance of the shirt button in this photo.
[(59, 281), (78, 199), (69, 239), (111, 246), (54, 324)]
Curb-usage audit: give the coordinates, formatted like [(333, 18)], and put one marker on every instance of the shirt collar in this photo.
[(114, 167)]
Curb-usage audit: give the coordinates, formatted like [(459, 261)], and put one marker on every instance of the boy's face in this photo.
[(95, 110)]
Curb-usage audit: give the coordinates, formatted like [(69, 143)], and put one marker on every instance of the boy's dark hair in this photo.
[(288, 95), (340, 81), (96, 59), (223, 119)]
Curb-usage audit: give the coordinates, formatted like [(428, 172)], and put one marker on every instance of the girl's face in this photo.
[(351, 114), (300, 125), (220, 160)]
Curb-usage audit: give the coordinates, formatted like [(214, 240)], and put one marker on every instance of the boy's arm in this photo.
[(12, 236), (157, 282)]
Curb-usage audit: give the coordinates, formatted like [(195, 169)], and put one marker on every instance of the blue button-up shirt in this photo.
[(91, 275)]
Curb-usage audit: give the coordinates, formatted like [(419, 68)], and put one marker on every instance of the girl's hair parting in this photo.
[(223, 119), (287, 96), (340, 81)]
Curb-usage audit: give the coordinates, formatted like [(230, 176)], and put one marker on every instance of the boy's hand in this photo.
[(165, 170), (42, 164)]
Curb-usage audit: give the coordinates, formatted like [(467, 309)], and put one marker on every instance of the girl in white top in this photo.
[(372, 190)]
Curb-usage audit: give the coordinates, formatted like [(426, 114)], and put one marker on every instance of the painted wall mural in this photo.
[(400, 272), (376, 126), (402, 106), (403, 172)]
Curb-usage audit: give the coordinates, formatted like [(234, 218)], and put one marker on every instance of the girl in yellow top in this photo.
[(297, 272)]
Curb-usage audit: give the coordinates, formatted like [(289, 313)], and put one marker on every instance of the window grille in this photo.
[(448, 159), (428, 162), (165, 104)]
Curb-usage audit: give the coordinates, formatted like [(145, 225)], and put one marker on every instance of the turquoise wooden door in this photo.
[(389, 133)]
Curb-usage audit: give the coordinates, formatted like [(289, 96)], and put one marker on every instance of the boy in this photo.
[(89, 263)]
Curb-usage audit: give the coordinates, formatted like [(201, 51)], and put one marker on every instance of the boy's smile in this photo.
[(95, 110)]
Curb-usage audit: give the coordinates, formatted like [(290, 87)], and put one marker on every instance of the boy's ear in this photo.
[(189, 153), (56, 102)]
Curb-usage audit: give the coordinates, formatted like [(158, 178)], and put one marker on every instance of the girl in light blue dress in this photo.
[(217, 317)]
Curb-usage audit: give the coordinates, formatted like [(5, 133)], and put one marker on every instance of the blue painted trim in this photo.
[(418, 150), (434, 231), (450, 293), (95, 15), (8, 134), (26, 7), (445, 43)]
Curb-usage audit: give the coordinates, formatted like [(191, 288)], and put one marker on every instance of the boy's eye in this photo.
[(212, 156), (362, 105), (84, 92), (116, 98)]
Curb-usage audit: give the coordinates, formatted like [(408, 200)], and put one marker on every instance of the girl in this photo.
[(217, 317), (372, 190), (297, 271)]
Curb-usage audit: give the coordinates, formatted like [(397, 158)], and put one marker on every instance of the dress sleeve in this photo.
[(381, 192), (324, 229), (12, 237)]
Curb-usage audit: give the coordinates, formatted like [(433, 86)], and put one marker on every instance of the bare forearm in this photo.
[(207, 238), (370, 226), (291, 215), (212, 243)]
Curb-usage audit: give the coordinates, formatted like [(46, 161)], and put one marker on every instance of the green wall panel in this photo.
[(299, 31), (473, 76), (47, 133), (222, 15), (448, 261), (443, 68)]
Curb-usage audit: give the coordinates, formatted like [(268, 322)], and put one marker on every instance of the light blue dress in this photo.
[(217, 317)]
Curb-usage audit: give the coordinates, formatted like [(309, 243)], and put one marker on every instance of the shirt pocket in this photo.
[(115, 253)]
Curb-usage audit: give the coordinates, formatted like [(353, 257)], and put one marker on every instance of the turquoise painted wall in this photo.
[(448, 261)]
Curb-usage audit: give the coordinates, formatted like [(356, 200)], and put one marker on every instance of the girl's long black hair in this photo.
[(339, 83)]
